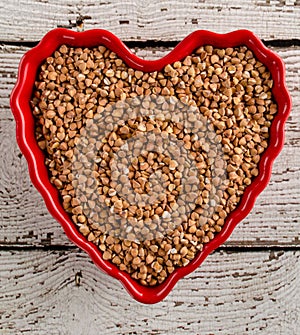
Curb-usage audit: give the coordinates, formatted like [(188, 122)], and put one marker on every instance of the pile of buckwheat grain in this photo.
[(80, 101)]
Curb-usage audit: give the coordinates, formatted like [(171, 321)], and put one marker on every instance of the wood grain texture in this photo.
[(25, 221), (231, 293), (60, 291), (135, 20)]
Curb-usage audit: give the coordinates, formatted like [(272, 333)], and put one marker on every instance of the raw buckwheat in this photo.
[(80, 92)]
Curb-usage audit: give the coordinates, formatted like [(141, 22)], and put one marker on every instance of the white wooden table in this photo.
[(251, 285)]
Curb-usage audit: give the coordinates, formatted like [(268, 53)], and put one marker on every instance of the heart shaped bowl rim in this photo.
[(20, 105)]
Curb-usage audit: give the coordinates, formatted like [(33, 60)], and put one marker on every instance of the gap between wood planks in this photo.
[(228, 249), (166, 44)]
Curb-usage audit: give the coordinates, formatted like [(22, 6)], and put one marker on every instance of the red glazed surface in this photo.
[(20, 104)]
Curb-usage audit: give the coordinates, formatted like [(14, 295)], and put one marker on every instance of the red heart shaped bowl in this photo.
[(25, 129)]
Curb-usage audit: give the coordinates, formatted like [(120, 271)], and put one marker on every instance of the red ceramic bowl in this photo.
[(20, 104)]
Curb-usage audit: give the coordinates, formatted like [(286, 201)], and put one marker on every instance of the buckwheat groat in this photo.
[(149, 165)]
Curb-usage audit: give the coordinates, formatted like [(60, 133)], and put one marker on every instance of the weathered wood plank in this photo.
[(144, 20), (25, 220), (231, 293)]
